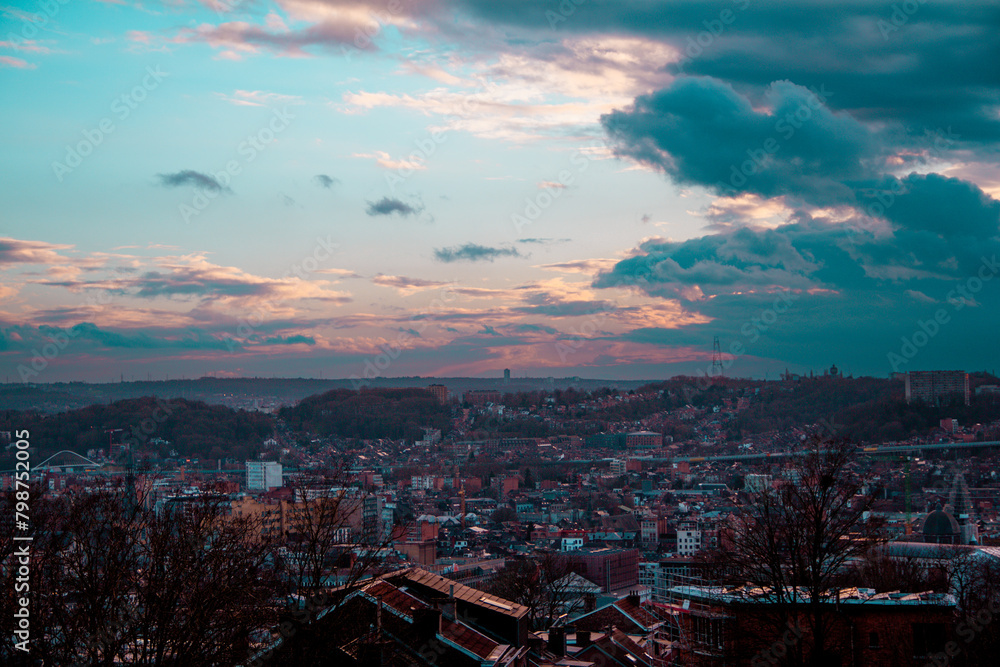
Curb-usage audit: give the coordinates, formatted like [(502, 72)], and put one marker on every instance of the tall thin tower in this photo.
[(716, 358)]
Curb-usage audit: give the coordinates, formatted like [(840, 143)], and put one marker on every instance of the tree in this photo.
[(791, 541), (503, 514), (330, 520), (539, 583), (529, 479), (115, 579)]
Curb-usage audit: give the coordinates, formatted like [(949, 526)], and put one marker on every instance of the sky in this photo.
[(325, 188)]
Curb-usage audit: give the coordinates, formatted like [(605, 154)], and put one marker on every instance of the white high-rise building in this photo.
[(263, 475)]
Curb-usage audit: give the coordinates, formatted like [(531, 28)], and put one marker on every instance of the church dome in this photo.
[(941, 527)]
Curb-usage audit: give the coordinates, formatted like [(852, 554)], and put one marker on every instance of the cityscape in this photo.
[(534, 333)]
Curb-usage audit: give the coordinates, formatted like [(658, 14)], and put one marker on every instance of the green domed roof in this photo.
[(939, 523)]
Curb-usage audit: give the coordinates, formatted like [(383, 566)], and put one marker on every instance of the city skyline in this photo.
[(306, 188)]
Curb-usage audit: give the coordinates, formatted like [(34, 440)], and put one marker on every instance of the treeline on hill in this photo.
[(890, 420), (862, 409), (784, 405), (369, 414), (192, 428)]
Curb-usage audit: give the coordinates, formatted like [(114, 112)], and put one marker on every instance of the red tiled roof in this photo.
[(468, 638), (391, 596)]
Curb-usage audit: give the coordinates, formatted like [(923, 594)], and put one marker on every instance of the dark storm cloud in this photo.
[(567, 308), (934, 67), (472, 252), (700, 131), (289, 340), (90, 335), (533, 328), (388, 206), (192, 178)]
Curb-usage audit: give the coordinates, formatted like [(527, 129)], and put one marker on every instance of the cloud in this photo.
[(584, 266), (325, 181), (473, 252), (541, 241), (700, 131), (927, 74), (16, 63), (404, 283), (289, 340), (259, 98), (383, 160), (16, 251), (192, 178), (390, 205), (194, 277)]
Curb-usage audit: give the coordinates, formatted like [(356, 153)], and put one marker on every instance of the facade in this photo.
[(937, 387), (439, 391), (611, 569), (733, 627), (482, 396), (755, 483), (263, 475), (689, 541), (643, 440)]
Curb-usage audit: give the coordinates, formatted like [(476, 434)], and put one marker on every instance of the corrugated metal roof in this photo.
[(462, 592)]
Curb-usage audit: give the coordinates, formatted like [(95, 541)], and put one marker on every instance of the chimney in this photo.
[(589, 602), (427, 622), (634, 598), (448, 608), (557, 640), (583, 639)]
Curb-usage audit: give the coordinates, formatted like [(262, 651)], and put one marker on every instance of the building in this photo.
[(506, 376), (481, 396), (714, 626), (937, 387), (619, 466), (755, 483), (263, 475), (643, 440), (439, 391), (689, 541), (409, 617), (611, 569)]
